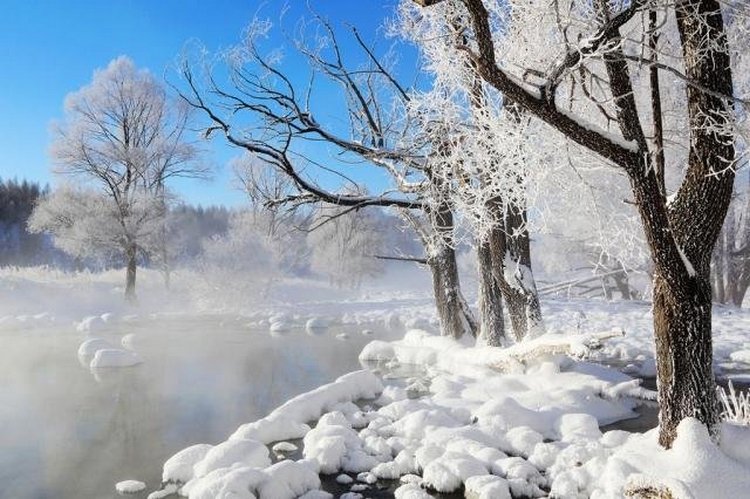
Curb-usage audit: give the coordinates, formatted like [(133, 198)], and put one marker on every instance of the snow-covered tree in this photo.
[(123, 134), (85, 224), (599, 74)]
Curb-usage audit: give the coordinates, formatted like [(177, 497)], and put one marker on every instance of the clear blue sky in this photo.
[(49, 48)]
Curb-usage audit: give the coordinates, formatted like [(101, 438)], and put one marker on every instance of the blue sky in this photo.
[(50, 48)]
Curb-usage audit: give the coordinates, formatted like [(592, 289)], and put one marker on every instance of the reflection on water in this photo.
[(70, 433)]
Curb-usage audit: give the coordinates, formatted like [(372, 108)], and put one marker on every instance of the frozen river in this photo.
[(69, 433)]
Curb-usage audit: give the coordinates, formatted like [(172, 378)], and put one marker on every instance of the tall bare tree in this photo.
[(266, 114), (123, 134)]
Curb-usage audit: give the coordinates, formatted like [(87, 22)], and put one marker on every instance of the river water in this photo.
[(69, 433)]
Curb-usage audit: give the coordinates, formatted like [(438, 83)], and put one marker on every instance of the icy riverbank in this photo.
[(530, 429)]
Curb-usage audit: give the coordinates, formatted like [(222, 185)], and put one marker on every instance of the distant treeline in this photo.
[(17, 245), (191, 225), (189, 230)]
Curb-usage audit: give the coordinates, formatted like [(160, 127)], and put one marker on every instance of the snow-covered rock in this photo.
[(316, 325), (129, 487), (91, 324), (243, 452), (114, 357), (89, 347), (179, 467)]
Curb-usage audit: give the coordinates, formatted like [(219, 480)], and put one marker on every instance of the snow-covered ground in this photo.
[(522, 422)]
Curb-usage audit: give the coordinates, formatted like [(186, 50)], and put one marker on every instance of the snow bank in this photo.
[(694, 468), (243, 452), (424, 348), (283, 480), (241, 464), (179, 468), (289, 420)]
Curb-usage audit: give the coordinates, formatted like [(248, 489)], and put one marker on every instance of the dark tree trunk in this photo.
[(131, 256), (512, 267), (683, 234), (682, 330), (454, 314), (623, 285), (492, 325)]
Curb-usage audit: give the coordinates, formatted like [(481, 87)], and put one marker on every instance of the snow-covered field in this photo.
[(429, 415)]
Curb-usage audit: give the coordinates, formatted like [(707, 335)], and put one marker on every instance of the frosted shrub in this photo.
[(735, 405)]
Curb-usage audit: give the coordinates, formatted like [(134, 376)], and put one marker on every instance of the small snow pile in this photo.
[(281, 448), (114, 357), (93, 323), (487, 487), (279, 327), (245, 452), (88, 348), (97, 352), (179, 468), (316, 325), (283, 480), (129, 487)]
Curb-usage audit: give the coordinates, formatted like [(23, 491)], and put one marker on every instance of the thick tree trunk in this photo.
[(491, 322), (131, 256), (682, 329), (511, 256), (453, 312)]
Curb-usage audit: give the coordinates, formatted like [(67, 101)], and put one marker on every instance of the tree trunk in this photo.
[(492, 326), (131, 256), (682, 330), (511, 256), (453, 312)]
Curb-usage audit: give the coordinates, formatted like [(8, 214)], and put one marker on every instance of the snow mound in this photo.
[(179, 468), (316, 325), (130, 487), (284, 447), (92, 324), (89, 347), (245, 452), (113, 357), (280, 327), (288, 420), (283, 480)]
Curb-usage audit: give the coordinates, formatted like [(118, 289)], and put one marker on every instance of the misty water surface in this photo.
[(67, 433)]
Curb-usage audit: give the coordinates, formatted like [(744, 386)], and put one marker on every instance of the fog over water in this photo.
[(71, 433)]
